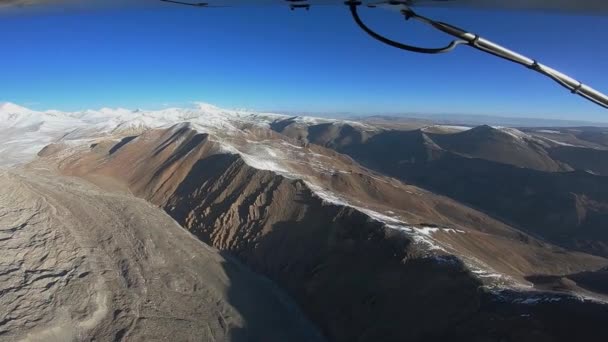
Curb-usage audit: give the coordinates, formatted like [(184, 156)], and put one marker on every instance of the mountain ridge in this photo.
[(312, 205), (230, 205)]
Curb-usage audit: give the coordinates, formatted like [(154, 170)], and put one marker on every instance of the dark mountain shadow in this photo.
[(206, 171), (570, 209), (355, 282), (280, 125), (531, 317), (595, 281), (192, 141), (393, 148), (582, 158), (120, 144), (335, 135), (278, 320), (493, 144)]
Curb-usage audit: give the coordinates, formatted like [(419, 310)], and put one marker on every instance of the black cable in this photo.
[(193, 4), (353, 5)]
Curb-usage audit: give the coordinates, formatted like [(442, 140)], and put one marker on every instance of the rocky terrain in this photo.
[(311, 205), (83, 264)]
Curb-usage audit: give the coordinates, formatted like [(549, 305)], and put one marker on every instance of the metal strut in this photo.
[(479, 43)]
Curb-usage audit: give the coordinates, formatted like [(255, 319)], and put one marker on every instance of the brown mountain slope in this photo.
[(355, 277), (81, 264), (172, 168), (324, 255)]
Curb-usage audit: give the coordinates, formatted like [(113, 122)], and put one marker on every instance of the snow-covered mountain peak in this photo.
[(22, 127), (11, 108), (207, 107), (25, 131), (116, 111)]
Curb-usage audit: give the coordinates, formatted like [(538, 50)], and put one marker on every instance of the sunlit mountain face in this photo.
[(123, 216)]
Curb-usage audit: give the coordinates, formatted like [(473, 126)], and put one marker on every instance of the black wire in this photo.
[(353, 5), (197, 4)]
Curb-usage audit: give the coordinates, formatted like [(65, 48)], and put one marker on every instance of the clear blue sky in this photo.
[(317, 61)]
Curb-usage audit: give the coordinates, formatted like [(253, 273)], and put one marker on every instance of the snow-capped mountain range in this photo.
[(24, 132)]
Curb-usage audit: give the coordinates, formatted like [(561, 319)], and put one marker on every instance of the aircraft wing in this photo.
[(568, 6)]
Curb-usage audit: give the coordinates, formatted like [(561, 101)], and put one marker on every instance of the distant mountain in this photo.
[(498, 170), (11, 108), (593, 135), (477, 120), (24, 132), (502, 145)]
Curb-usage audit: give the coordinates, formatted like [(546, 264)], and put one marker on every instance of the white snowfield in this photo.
[(24, 132)]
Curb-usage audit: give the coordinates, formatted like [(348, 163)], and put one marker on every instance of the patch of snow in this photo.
[(428, 231), (454, 128), (458, 128), (263, 164), (515, 133), (326, 195), (522, 136), (445, 259), (532, 298), (291, 145), (556, 142)]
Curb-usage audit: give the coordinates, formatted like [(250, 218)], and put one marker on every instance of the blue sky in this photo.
[(317, 61)]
